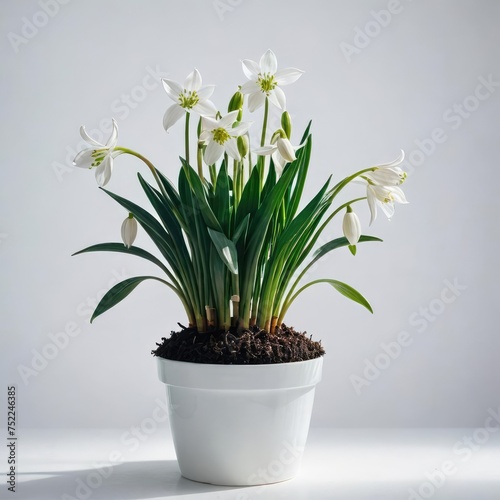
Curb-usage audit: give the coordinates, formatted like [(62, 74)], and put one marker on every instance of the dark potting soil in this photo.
[(247, 347)]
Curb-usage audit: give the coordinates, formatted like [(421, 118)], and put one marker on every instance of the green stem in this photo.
[(249, 162), (200, 161), (151, 167), (186, 137), (235, 184), (339, 186), (264, 124)]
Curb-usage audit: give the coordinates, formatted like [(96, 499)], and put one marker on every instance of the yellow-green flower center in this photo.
[(220, 135), (98, 155), (189, 99), (267, 83)]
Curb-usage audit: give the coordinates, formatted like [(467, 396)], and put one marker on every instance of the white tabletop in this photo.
[(343, 464)]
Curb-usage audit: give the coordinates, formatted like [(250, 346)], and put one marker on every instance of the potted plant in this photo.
[(236, 241)]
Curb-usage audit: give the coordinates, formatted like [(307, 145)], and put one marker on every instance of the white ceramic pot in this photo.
[(239, 424)]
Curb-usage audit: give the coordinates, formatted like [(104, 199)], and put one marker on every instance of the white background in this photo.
[(368, 96)]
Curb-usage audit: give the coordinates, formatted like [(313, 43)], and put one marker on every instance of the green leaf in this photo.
[(250, 198), (122, 290), (201, 197), (296, 194), (343, 288), (242, 229), (349, 292), (337, 243), (121, 248), (226, 250), (221, 200)]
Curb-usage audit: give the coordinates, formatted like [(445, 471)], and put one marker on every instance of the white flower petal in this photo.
[(287, 76), (372, 204), (397, 194), (231, 147), (250, 88), (173, 89), (208, 123), (205, 108), (204, 136), (228, 120), (86, 137), (388, 209), (113, 139), (240, 129), (265, 150), (173, 114), (279, 163), (255, 101), (268, 63), (84, 159), (286, 150), (213, 152), (104, 170), (251, 69), (277, 97), (206, 92), (393, 163), (193, 81)]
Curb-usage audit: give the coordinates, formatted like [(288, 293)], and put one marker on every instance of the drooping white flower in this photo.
[(351, 226), (100, 156), (388, 174), (188, 97), (220, 136), (382, 189), (266, 81), (282, 152), (129, 230), (385, 197)]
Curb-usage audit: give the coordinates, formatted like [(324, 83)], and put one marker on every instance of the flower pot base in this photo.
[(239, 425)]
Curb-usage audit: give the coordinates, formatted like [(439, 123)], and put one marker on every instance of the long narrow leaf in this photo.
[(346, 290), (121, 248), (122, 290), (226, 250)]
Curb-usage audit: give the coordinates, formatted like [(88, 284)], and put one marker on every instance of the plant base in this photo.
[(253, 346)]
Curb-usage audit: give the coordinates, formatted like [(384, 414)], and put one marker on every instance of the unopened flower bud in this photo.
[(351, 227), (129, 230), (286, 124), (236, 102), (243, 145)]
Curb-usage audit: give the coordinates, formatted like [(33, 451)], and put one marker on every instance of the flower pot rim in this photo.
[(271, 376)]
